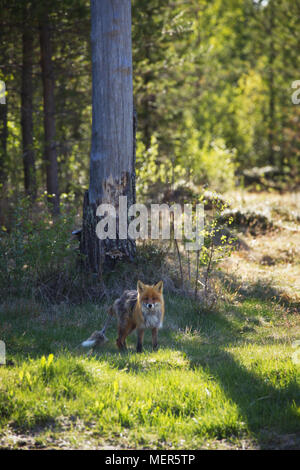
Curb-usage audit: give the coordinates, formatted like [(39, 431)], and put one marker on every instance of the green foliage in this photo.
[(212, 89), (218, 244), (36, 247), (147, 170), (219, 102), (47, 367)]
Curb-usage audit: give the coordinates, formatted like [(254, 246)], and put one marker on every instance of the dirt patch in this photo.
[(85, 440)]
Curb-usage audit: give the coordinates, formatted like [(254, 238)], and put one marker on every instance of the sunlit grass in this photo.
[(214, 380)]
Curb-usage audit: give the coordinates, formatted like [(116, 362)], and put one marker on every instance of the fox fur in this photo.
[(135, 310)]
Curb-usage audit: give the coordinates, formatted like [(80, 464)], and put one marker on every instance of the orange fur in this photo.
[(139, 309), (140, 317)]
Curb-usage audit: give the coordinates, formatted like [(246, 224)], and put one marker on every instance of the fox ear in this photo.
[(140, 286), (159, 286)]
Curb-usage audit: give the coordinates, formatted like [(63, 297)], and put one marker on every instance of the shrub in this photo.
[(36, 247), (247, 220)]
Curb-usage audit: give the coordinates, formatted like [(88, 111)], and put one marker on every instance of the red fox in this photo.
[(135, 309)]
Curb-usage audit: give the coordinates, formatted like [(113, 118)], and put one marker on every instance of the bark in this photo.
[(3, 165), (3, 138), (3, 125), (3, 143), (49, 114), (26, 113), (112, 159), (271, 59)]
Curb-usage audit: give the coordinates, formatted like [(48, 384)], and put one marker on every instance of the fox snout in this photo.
[(149, 305)]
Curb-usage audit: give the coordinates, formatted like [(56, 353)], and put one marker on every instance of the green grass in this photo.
[(226, 376)]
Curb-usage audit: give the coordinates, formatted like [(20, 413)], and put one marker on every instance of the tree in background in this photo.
[(212, 85), (68, 24), (49, 112), (27, 104)]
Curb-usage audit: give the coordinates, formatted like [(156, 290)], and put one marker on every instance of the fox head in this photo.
[(150, 296)]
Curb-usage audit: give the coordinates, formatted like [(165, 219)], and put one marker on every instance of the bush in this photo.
[(247, 220), (217, 165), (36, 247)]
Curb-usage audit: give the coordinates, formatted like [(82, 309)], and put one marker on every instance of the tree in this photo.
[(49, 113), (112, 166), (26, 105), (3, 135)]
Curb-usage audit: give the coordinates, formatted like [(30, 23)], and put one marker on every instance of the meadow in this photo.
[(226, 377)]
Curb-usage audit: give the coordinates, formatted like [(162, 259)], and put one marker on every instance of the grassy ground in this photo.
[(223, 379)]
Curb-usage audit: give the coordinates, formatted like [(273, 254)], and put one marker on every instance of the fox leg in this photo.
[(121, 340), (139, 346), (154, 338), (123, 333)]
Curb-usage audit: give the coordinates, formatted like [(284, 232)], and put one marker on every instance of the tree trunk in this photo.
[(3, 135), (3, 143), (3, 163), (49, 114), (271, 59), (26, 112), (112, 159)]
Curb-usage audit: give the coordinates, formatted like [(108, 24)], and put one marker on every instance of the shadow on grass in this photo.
[(263, 406), (267, 399)]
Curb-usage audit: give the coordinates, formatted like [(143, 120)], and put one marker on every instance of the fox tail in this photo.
[(89, 343), (98, 337)]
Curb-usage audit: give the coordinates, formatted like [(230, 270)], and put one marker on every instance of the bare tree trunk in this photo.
[(26, 111), (112, 159), (49, 114), (3, 163), (3, 143), (271, 59), (3, 137)]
